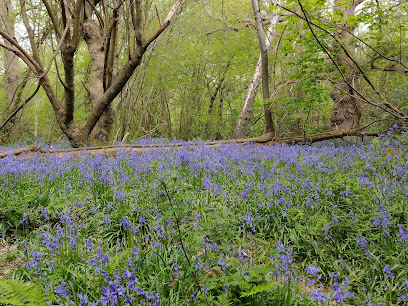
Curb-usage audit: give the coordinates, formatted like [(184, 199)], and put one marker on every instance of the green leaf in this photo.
[(263, 270), (14, 292), (260, 288), (375, 142)]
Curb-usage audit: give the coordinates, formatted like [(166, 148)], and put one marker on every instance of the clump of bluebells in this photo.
[(197, 224)]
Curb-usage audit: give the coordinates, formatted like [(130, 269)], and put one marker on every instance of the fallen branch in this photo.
[(33, 148), (328, 136), (140, 149)]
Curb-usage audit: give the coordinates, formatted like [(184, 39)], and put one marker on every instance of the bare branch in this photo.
[(78, 17), (53, 17), (137, 18), (34, 49), (114, 89), (157, 14), (385, 105), (54, 55), (111, 46), (64, 13), (124, 75), (20, 107), (133, 14), (26, 59), (166, 22), (97, 13)]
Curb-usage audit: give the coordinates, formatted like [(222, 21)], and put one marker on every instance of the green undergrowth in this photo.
[(237, 225)]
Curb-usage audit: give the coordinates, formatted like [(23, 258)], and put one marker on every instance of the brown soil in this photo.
[(9, 258)]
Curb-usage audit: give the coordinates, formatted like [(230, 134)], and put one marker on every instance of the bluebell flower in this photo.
[(312, 270), (177, 267), (225, 287), (126, 273), (326, 231), (198, 267), (362, 242), (107, 220), (61, 291), (316, 295), (83, 300), (193, 296), (403, 234), (125, 223), (334, 275), (387, 270), (339, 294), (142, 220)]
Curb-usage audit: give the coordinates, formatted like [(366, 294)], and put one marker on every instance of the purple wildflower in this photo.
[(387, 270)]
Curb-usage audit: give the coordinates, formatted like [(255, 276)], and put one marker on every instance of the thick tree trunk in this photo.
[(347, 109), (101, 117), (241, 126), (95, 41), (13, 79), (12, 69)]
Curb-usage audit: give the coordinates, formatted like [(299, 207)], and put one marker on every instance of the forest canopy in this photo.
[(103, 70)]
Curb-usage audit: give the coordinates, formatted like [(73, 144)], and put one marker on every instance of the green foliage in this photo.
[(250, 222), (14, 292)]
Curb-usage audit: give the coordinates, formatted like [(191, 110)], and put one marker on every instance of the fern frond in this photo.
[(14, 292)]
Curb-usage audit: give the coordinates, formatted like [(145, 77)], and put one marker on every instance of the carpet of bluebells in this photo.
[(234, 224)]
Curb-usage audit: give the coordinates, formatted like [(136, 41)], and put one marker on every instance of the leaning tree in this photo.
[(112, 62)]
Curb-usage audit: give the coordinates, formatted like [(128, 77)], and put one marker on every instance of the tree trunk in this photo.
[(12, 69), (347, 109), (76, 18), (212, 100), (241, 126), (269, 127), (94, 38)]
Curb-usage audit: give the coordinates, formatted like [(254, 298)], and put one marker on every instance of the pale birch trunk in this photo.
[(241, 126)]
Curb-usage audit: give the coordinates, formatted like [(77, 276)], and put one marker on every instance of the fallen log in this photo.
[(325, 136), (140, 149), (33, 148)]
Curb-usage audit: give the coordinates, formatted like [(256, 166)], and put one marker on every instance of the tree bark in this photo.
[(241, 126), (347, 109), (97, 48), (12, 69), (79, 22), (212, 100)]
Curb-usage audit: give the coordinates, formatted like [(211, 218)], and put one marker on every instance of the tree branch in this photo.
[(123, 76), (77, 23), (166, 22), (20, 52), (34, 49), (97, 13), (54, 55), (139, 20), (385, 105), (53, 18), (20, 107)]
